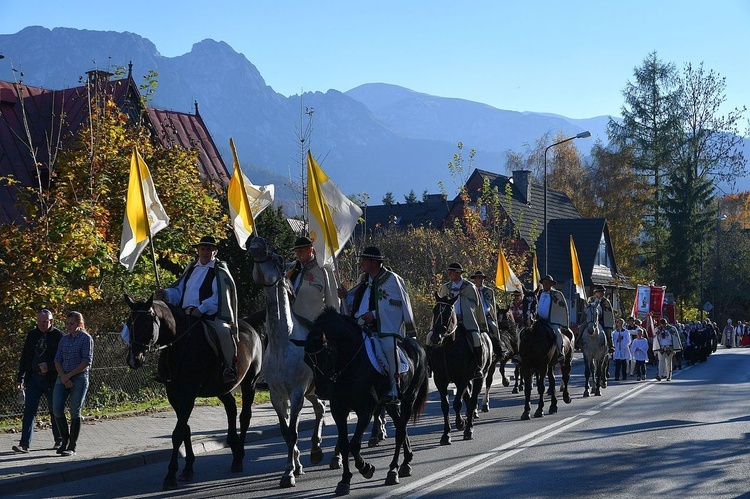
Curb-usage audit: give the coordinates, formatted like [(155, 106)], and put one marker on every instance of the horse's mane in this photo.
[(334, 325)]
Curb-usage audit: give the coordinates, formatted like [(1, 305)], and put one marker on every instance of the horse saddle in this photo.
[(377, 356)]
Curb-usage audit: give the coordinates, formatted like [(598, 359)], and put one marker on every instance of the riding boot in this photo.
[(62, 425), (392, 397), (75, 430), (560, 354), (478, 373), (610, 347)]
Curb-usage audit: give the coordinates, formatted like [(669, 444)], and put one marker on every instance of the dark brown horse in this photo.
[(538, 351), (190, 369)]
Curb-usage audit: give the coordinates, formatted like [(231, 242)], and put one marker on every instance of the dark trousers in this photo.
[(621, 365), (36, 386), (640, 368)]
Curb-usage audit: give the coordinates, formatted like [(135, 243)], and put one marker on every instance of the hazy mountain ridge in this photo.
[(374, 138)]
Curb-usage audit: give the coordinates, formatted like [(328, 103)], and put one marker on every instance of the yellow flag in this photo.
[(505, 279), (577, 274), (246, 201), (333, 216), (535, 278), (144, 213)]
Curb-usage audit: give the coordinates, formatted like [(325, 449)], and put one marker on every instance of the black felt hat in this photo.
[(548, 278), (372, 253), (302, 242), (478, 273), (207, 241), (598, 287), (456, 267)]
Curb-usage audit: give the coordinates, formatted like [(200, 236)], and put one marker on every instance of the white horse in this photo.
[(289, 379), (594, 348)]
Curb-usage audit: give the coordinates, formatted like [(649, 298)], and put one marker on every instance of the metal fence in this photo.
[(112, 382)]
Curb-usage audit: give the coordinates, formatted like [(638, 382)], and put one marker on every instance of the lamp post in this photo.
[(581, 135)]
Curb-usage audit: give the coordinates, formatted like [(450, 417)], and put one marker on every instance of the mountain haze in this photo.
[(374, 138)]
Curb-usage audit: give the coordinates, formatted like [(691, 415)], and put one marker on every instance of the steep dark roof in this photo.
[(50, 114), (587, 233), (431, 212)]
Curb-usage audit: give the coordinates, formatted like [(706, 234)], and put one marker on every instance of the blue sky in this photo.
[(569, 58)]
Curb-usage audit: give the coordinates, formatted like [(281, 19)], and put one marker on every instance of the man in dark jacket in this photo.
[(37, 375)]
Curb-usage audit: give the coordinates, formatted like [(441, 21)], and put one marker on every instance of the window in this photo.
[(602, 256)]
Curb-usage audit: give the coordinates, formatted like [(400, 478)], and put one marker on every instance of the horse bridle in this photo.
[(270, 255), (452, 325), (592, 321), (151, 345), (333, 377)]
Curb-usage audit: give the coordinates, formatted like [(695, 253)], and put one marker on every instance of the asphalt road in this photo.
[(685, 438)]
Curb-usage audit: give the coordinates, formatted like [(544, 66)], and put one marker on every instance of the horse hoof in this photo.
[(367, 470), (506, 383), (186, 476), (485, 407), (525, 416), (316, 456), (288, 481), (538, 414), (236, 466), (515, 390), (553, 410), (335, 463), (169, 484), (476, 415), (342, 489), (460, 423), (585, 395), (299, 472), (469, 434), (445, 440), (566, 398), (392, 478), (404, 470)]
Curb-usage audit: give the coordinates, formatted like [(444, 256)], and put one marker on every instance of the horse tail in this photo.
[(420, 402)]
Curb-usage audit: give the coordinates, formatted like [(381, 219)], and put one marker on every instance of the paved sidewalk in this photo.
[(111, 445)]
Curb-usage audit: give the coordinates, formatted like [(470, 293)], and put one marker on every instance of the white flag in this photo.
[(144, 214), (246, 201)]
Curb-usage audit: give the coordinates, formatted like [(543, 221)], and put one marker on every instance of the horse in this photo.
[(450, 356), (538, 351), (344, 375), (289, 379), (190, 370), (595, 355)]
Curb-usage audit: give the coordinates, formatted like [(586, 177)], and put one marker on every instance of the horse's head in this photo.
[(143, 325), (444, 320), (322, 349), (529, 306), (592, 317), (268, 268)]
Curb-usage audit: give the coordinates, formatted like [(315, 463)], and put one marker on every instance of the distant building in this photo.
[(526, 213), (33, 118)]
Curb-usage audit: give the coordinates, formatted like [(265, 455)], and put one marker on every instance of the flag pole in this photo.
[(242, 185), (139, 160)]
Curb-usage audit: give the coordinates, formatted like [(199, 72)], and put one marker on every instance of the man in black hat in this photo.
[(606, 315), (553, 309), (314, 283), (468, 310), (207, 291), (380, 301)]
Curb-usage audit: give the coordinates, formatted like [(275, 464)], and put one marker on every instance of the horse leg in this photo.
[(340, 417), (365, 469), (316, 452), (281, 405), (488, 385), (230, 407), (408, 409), (553, 394), (587, 374), (565, 379), (527, 394), (445, 407), (518, 380), (458, 403), (506, 381), (471, 408), (246, 414), (378, 428), (399, 422), (540, 390)]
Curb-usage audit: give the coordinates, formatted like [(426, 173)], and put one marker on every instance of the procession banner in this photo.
[(505, 279), (577, 274)]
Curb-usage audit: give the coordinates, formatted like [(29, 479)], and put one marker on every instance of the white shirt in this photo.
[(455, 290), (545, 305), (364, 305), (191, 292)]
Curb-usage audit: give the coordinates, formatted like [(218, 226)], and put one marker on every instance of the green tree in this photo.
[(411, 198), (650, 126), (389, 199)]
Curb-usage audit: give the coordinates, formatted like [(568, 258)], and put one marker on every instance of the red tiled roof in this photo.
[(50, 114)]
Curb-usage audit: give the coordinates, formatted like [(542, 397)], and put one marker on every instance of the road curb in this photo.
[(105, 465)]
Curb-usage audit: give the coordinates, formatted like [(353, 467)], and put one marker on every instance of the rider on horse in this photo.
[(206, 291), (468, 310), (553, 311), (381, 302), (314, 283), (516, 307), (606, 315)]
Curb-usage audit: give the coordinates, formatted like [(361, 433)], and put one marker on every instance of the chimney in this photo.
[(522, 181), (98, 78)]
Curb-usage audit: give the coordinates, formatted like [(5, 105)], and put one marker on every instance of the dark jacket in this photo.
[(26, 367)]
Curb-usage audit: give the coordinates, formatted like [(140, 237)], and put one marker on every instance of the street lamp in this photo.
[(582, 135)]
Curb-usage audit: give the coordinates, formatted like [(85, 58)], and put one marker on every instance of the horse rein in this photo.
[(270, 256), (151, 345), (450, 328), (335, 375)]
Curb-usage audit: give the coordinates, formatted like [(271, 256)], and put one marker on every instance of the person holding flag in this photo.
[(314, 286), (606, 315)]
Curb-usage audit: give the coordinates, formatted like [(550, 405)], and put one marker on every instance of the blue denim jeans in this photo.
[(77, 395), (36, 386)]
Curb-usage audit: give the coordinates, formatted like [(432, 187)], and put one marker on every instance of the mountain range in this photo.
[(373, 139)]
